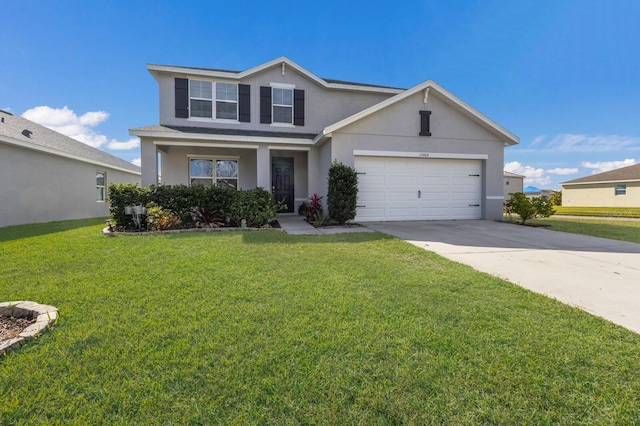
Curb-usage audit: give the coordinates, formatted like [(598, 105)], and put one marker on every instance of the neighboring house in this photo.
[(512, 183), (533, 191), (422, 153), (616, 188), (46, 176)]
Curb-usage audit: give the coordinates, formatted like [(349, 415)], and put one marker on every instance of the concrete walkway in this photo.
[(294, 224), (595, 274)]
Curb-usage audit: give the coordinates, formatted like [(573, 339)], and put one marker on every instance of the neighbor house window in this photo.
[(621, 189), (282, 105), (208, 172), (101, 185)]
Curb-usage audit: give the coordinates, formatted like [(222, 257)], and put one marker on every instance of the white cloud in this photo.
[(66, 121), (130, 144), (531, 174), (137, 161), (562, 171), (537, 140), (605, 166), (567, 142)]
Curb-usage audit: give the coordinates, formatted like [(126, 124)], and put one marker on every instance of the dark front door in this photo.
[(282, 181)]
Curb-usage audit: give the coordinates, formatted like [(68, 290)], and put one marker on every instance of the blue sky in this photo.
[(562, 75)]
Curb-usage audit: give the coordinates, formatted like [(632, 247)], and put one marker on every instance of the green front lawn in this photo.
[(618, 229), (267, 328)]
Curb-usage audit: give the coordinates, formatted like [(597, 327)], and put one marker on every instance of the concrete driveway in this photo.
[(595, 274)]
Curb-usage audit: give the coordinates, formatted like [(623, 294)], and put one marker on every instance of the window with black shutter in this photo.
[(265, 104), (298, 107), (244, 103), (425, 126), (182, 97)]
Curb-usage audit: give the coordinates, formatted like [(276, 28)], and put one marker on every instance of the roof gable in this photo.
[(282, 62), (507, 137), (628, 174), (19, 131)]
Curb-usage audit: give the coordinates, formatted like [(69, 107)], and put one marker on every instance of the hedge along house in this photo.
[(615, 188), (47, 177), (422, 153)]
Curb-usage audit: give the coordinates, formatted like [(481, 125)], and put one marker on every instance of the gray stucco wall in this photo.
[(397, 128), (322, 106), (36, 187)]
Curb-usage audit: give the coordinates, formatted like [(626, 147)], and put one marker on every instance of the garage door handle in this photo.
[(474, 205), (419, 194)]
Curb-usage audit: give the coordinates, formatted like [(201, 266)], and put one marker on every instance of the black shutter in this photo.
[(265, 104), (425, 125), (182, 98), (244, 103), (298, 107)]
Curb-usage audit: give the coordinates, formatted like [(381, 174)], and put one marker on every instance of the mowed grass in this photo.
[(267, 328), (616, 229)]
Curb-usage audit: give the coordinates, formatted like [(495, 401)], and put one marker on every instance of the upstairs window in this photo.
[(621, 189), (227, 101), (282, 105), (101, 185), (201, 100)]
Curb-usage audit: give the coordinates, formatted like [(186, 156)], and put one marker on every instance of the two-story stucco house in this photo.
[(422, 153)]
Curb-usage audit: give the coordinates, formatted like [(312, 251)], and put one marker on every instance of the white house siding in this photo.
[(396, 128), (600, 195), (38, 187)]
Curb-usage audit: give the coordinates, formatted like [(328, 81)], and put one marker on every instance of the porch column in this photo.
[(263, 168), (149, 163)]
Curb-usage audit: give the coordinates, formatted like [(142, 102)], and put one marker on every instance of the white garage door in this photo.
[(418, 189)]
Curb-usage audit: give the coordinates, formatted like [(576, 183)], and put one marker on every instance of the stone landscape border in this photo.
[(45, 316)]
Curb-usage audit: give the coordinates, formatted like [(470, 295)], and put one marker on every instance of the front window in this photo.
[(101, 184), (621, 189), (282, 105), (203, 172)]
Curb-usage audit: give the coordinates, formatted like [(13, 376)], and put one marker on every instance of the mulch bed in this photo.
[(11, 327)]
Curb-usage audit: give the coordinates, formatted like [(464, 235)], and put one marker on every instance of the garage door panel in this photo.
[(418, 189), (396, 180)]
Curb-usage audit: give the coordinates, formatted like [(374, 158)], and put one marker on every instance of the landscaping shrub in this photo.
[(180, 206), (528, 208), (342, 196), (256, 206), (125, 194)]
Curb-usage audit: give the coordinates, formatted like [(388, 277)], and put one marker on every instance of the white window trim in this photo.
[(213, 100), (104, 187), (273, 104), (213, 158)]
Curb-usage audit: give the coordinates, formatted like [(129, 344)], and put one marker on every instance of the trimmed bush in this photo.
[(184, 207), (342, 197)]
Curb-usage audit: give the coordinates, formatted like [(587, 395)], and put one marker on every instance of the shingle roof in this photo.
[(14, 128), (221, 131), (629, 173), (510, 174)]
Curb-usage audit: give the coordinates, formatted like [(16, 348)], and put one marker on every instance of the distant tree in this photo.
[(556, 198)]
